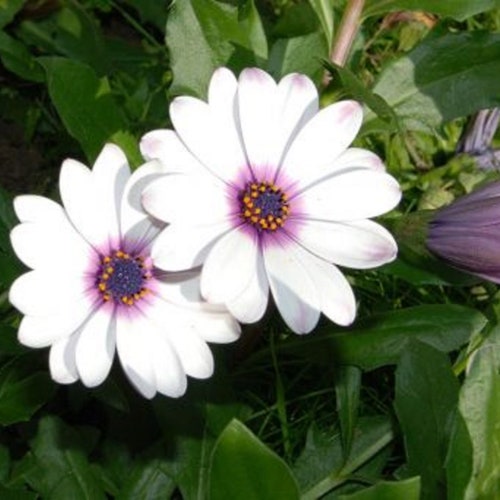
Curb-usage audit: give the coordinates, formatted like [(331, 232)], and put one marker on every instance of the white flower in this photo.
[(93, 287), (265, 192)]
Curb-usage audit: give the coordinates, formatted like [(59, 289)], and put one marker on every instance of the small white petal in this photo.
[(34, 208), (229, 266), (110, 175), (296, 104), (251, 304), (321, 141), (350, 195), (45, 292), (76, 186), (165, 145), (95, 348), (257, 93), (186, 199), (52, 244), (210, 134), (41, 331), (357, 244), (137, 227), (357, 158), (219, 328), (336, 296), (177, 327), (132, 337), (62, 362), (222, 90), (293, 289), (181, 247)]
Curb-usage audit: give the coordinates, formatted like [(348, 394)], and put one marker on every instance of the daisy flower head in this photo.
[(93, 288), (264, 191)]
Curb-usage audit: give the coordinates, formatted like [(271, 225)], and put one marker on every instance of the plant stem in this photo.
[(347, 31)]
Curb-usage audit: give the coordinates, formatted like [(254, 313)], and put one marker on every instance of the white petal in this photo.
[(165, 146), (336, 296), (222, 90), (211, 135), (41, 331), (132, 335), (34, 208), (62, 362), (219, 328), (137, 227), (257, 95), (296, 104), (181, 247), (251, 304), (321, 141), (110, 175), (230, 266), (293, 289), (77, 190), (43, 293), (357, 244), (177, 327), (187, 199), (95, 348), (53, 244), (350, 195), (357, 158), (169, 375)]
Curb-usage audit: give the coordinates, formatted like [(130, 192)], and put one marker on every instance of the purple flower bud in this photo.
[(466, 234)]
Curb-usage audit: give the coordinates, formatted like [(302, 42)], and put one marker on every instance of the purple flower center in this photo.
[(122, 278), (264, 206)]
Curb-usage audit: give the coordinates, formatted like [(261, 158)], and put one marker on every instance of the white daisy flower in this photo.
[(93, 287), (265, 192)]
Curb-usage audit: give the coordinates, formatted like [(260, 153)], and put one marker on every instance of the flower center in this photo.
[(122, 278), (264, 206)]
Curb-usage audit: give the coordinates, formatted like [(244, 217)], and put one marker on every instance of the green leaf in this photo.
[(480, 406), (17, 58), (372, 436), (58, 467), (16, 494), (356, 89), (425, 410), (87, 107), (459, 459), (347, 391), (23, 389), (408, 489), (204, 34), (8, 9), (324, 11), (381, 339), (443, 78), (457, 9), (242, 467), (301, 54)]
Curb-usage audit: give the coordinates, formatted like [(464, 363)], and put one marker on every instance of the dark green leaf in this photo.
[(347, 391), (59, 464), (204, 34), (324, 11), (380, 340), (443, 78), (408, 489), (87, 107), (255, 471), (8, 9), (458, 9), (426, 399), (16, 494), (480, 406), (23, 389), (301, 54), (17, 58)]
